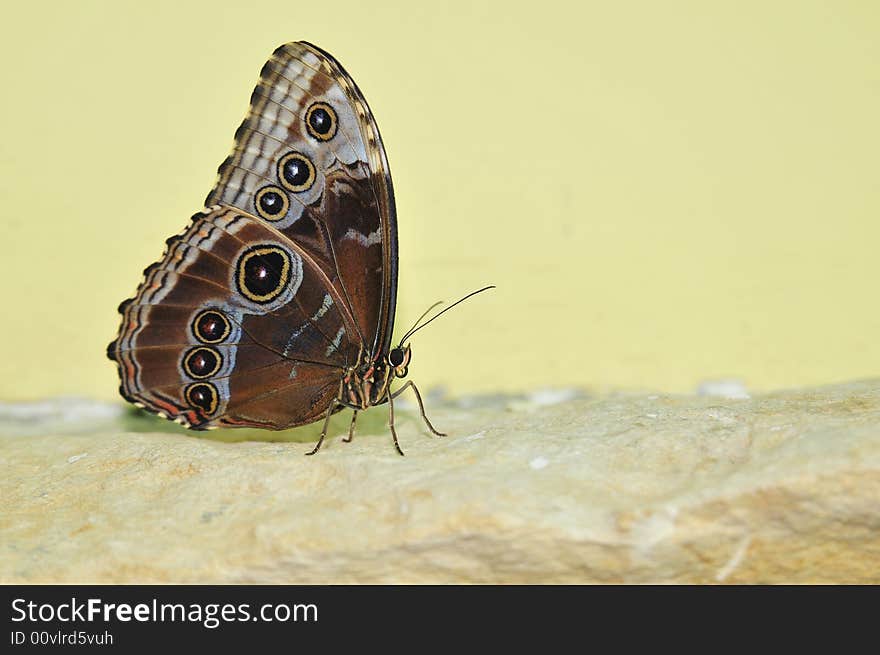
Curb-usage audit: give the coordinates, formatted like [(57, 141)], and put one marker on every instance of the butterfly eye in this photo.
[(262, 273), (211, 327), (396, 357), (202, 362), (321, 121), (203, 396), (271, 203), (399, 358), (296, 172)]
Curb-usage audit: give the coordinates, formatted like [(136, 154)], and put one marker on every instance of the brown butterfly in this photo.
[(276, 306)]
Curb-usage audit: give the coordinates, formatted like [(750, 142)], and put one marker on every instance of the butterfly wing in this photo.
[(235, 326), (254, 312), (309, 159)]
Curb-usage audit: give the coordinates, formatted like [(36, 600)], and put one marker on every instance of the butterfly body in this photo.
[(369, 382), (275, 307)]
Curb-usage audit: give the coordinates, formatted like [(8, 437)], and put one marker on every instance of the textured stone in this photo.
[(552, 487)]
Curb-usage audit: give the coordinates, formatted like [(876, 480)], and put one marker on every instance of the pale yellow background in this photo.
[(664, 192)]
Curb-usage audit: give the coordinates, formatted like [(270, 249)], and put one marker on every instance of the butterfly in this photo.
[(275, 307)]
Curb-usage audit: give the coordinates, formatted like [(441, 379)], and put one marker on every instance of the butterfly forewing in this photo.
[(309, 159)]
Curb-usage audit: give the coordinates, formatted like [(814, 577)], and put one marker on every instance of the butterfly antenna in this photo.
[(427, 311), (418, 327)]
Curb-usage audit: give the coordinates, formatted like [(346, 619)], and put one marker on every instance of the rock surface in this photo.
[(556, 487)]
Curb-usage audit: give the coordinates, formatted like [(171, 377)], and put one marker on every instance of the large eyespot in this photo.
[(296, 172), (211, 327), (271, 203), (202, 362), (262, 273), (202, 396), (321, 121)]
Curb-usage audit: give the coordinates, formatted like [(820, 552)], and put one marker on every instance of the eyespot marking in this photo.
[(321, 121), (211, 326), (271, 203), (202, 362), (202, 396), (262, 273), (296, 172)]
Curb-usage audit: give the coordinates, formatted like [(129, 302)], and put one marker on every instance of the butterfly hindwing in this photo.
[(220, 327)]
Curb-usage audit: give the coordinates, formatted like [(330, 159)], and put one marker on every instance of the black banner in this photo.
[(136, 617)]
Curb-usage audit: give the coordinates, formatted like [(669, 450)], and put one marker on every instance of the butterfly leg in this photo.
[(391, 422), (326, 424), (421, 405), (351, 428)]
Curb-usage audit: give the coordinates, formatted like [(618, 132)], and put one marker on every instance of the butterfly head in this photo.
[(398, 360)]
